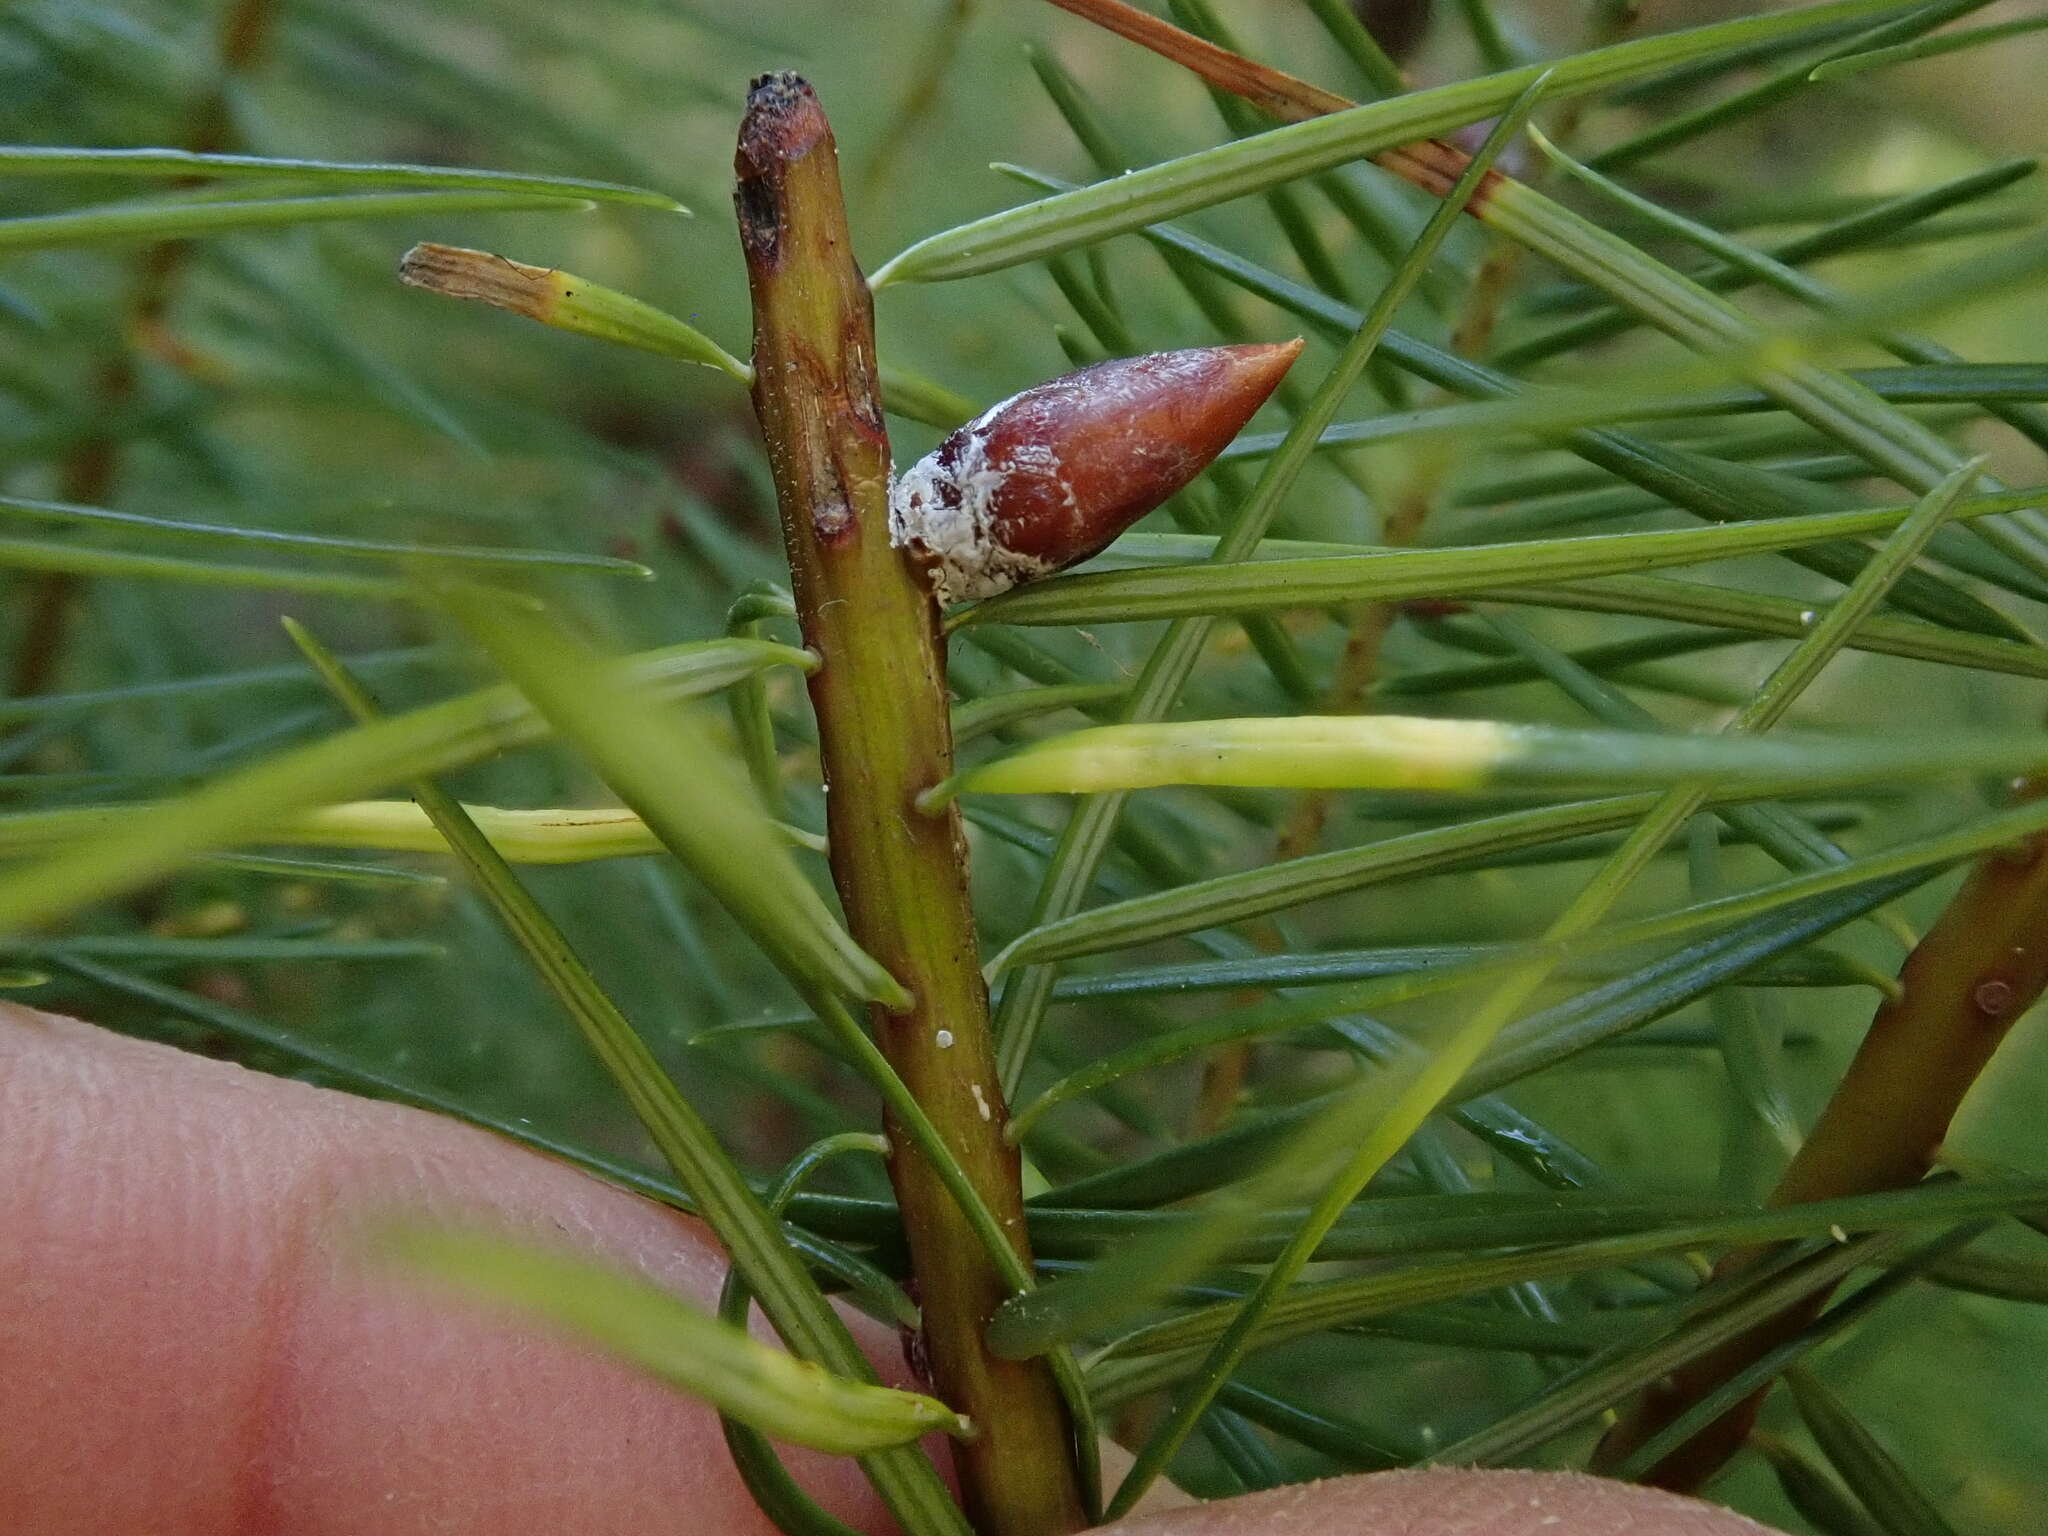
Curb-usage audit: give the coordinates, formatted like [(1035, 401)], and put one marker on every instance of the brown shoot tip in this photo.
[(481, 276), (783, 121)]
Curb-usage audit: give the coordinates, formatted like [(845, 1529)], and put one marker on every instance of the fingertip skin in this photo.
[(189, 1342), (1451, 1502)]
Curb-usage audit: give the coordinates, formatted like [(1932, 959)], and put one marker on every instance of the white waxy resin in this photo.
[(1126, 421), (947, 514)]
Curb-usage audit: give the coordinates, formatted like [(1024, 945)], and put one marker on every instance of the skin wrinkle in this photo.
[(256, 1512)]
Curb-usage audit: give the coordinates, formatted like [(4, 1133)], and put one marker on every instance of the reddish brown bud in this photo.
[(1051, 476)]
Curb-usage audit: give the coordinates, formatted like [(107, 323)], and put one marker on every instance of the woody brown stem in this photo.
[(88, 472), (1981, 966), (884, 736)]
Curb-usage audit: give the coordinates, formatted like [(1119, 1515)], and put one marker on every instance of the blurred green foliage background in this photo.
[(308, 390)]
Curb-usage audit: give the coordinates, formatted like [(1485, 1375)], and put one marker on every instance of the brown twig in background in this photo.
[(1430, 164), (881, 705), (1497, 274), (88, 472), (1981, 966), (1472, 336), (1280, 95), (1434, 166)]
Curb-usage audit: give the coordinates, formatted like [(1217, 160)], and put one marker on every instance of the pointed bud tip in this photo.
[(1263, 364), (1051, 476)]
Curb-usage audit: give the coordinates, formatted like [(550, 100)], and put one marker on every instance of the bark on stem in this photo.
[(1981, 966), (880, 700)]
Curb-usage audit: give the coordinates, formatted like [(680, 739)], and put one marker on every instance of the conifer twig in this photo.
[(1981, 966), (881, 705)]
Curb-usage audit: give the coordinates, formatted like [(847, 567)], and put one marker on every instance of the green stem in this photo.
[(881, 705)]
